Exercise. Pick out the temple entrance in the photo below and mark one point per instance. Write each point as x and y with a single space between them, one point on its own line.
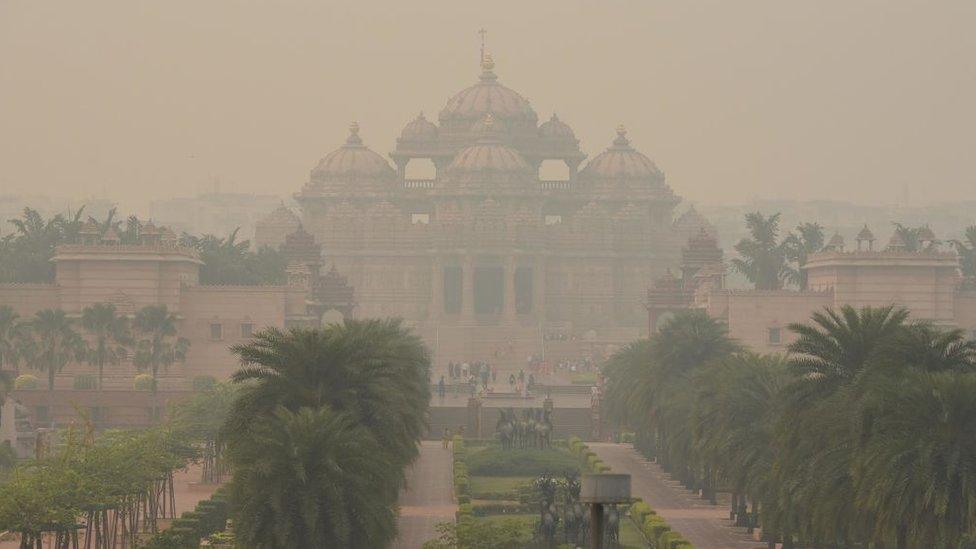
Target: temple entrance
523 290
489 290
452 290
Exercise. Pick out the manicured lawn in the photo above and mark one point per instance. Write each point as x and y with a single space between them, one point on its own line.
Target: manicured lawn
496 461
497 485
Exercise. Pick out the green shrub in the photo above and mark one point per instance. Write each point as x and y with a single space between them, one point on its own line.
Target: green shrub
204 383
495 461
639 510
143 382
664 541
602 468
84 382
654 527
461 485
26 382
487 509
465 509
463 498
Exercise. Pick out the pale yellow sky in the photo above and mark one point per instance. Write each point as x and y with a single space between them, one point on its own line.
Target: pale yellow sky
845 99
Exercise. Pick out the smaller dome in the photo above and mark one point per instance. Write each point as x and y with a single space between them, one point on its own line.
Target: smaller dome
283 216
865 234
352 161
836 242
419 129
897 243
556 129
488 155
621 161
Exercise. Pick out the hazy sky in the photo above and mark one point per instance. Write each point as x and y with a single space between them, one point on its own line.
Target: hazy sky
846 99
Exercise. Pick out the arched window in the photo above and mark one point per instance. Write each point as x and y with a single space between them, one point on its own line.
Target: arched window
553 170
420 169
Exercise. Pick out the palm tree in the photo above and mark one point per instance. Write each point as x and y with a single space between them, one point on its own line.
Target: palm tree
374 369
57 342
312 478
967 252
9 328
158 344
808 239
917 471
109 332
838 345
762 259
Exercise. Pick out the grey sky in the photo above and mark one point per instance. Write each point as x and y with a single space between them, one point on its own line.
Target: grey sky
854 100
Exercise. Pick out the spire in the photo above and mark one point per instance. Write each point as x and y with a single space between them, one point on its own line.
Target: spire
488 68
354 140
621 141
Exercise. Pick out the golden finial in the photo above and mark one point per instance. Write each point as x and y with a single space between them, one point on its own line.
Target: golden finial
621 131
354 128
489 121
488 64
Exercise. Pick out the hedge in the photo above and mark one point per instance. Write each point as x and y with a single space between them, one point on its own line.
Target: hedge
210 516
496 461
26 382
655 529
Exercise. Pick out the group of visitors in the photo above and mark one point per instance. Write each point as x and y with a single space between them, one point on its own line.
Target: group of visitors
517 383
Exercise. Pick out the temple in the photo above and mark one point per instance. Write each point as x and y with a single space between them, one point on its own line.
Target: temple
487 251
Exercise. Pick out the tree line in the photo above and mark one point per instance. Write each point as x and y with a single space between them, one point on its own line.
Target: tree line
26 252
50 340
770 262
864 433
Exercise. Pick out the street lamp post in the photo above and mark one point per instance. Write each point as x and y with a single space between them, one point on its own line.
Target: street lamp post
599 490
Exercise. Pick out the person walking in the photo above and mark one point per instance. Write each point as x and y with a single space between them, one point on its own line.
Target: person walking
440 387
447 438
511 382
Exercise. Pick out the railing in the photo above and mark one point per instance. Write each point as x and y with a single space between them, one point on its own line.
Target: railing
555 185
418 183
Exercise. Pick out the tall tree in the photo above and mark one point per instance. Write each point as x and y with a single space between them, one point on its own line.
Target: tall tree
375 369
109 333
807 240
229 261
312 478
57 342
9 328
967 252
917 471
762 260
158 344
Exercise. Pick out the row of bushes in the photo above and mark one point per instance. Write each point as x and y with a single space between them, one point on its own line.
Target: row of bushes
209 517
655 529
588 458
462 479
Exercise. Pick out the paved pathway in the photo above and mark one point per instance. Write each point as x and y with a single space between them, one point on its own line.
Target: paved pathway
706 526
427 499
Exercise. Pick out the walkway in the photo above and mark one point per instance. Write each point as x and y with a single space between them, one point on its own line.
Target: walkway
706 526
428 498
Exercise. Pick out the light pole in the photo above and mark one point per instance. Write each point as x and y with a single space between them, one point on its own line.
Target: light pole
599 490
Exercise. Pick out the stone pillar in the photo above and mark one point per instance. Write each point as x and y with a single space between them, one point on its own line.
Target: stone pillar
510 267
467 291
538 289
436 288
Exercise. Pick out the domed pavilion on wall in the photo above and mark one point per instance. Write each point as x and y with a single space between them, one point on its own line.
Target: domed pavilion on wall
485 256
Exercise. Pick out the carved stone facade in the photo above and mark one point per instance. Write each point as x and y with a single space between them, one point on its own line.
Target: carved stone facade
485 241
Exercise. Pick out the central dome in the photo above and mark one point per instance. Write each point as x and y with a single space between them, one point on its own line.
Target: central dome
488 96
